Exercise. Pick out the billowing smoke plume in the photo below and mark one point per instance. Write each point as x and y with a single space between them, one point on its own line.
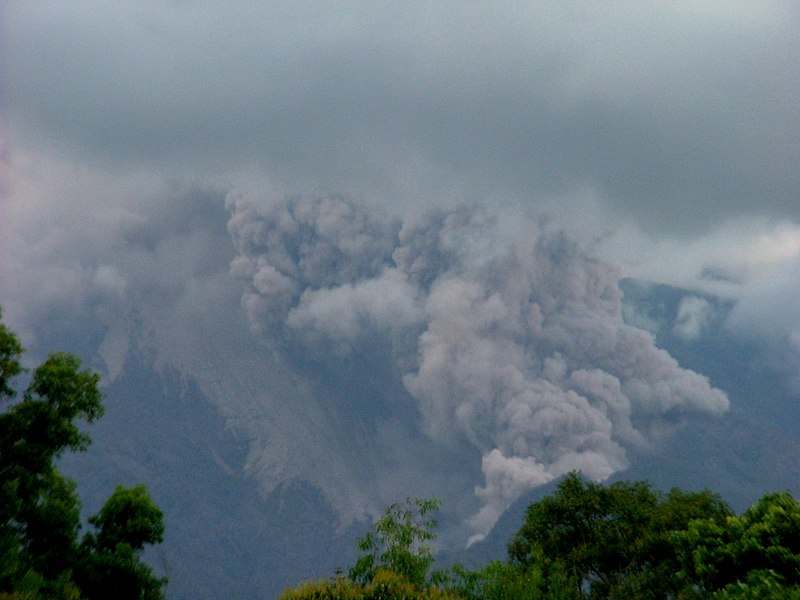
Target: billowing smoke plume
509 336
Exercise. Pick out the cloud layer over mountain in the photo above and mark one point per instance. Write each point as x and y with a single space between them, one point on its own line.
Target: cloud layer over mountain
673 115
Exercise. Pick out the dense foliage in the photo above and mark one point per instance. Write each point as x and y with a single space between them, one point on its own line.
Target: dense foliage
384 585
754 555
398 543
587 540
41 552
612 542
394 563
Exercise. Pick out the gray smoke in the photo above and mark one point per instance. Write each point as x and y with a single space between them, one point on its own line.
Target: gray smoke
289 250
509 336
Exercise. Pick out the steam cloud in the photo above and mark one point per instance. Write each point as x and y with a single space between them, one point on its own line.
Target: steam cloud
509 336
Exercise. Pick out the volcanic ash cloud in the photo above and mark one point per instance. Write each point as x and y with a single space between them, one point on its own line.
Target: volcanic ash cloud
508 336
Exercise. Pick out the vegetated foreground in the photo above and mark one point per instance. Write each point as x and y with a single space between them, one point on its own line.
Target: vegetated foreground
587 540
41 553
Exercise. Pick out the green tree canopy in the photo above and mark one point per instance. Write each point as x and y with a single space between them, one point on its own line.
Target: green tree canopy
398 542
611 541
41 554
757 550
394 562
385 585
587 540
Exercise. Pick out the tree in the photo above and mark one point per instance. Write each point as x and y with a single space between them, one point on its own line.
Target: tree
541 580
623 541
758 585
10 354
759 550
611 542
658 559
385 585
128 521
394 563
398 542
40 551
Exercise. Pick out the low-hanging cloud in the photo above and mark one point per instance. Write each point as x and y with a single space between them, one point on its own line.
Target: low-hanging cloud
694 316
768 314
510 338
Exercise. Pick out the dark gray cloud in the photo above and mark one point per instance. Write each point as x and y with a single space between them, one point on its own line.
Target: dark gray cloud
677 115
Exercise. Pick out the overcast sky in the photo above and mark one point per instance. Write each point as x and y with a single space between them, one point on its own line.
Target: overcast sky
677 116
668 133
